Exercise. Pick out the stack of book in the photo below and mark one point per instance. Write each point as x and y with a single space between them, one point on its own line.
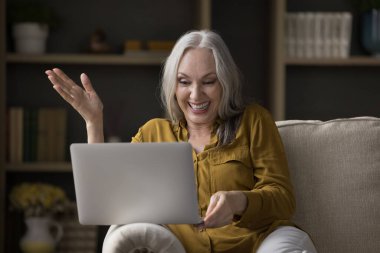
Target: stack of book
318 34
76 237
36 134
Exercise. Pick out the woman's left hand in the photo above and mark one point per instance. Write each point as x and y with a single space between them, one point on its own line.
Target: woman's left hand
223 206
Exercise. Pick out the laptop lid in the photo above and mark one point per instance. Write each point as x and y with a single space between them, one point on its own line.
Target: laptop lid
122 183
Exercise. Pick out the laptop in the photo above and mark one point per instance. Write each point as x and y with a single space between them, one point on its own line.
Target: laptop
122 183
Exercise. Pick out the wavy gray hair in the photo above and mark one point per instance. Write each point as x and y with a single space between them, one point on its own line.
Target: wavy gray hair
231 104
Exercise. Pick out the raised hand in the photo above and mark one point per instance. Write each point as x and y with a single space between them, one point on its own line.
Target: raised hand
84 100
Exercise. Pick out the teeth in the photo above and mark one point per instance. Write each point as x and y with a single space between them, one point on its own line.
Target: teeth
200 106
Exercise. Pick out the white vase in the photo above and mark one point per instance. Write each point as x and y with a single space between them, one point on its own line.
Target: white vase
30 38
38 237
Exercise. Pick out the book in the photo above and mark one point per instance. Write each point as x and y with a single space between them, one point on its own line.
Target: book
54 129
300 35
76 237
16 132
36 134
326 35
309 35
335 34
318 45
318 34
60 134
290 35
345 35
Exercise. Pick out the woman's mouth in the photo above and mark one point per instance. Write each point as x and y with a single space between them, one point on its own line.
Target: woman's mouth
199 107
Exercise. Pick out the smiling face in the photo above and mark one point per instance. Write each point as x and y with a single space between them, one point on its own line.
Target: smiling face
198 89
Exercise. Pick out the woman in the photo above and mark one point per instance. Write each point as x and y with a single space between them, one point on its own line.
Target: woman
244 191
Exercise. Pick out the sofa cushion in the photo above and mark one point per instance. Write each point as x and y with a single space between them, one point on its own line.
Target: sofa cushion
335 169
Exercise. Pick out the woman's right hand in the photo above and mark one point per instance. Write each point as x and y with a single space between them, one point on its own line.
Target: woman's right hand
84 100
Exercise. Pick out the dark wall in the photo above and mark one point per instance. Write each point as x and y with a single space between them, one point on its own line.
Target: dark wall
244 25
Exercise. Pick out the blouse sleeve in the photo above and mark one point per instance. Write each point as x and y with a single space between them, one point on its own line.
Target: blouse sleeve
272 197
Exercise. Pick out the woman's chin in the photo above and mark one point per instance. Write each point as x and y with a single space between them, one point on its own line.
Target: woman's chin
200 119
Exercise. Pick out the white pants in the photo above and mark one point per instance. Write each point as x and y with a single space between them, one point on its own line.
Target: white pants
287 239
145 237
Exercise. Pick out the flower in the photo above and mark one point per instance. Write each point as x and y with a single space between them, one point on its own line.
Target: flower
38 199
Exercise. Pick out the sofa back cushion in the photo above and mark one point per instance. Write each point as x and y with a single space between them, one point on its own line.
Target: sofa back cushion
335 169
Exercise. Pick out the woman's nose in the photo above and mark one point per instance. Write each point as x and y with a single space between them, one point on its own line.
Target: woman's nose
196 91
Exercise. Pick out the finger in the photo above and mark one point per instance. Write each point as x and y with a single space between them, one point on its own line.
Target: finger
213 202
62 75
65 79
56 80
50 74
220 215
214 212
86 82
212 217
64 94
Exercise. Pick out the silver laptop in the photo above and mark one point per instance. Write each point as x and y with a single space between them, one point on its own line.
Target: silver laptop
122 183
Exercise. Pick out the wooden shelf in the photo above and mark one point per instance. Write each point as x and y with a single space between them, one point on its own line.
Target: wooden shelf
143 58
352 61
39 167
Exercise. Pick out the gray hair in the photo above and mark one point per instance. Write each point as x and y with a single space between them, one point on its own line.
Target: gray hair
231 104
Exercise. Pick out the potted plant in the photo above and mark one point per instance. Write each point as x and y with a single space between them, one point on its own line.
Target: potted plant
39 202
30 22
369 11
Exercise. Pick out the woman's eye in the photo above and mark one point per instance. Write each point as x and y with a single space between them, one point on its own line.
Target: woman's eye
183 82
208 82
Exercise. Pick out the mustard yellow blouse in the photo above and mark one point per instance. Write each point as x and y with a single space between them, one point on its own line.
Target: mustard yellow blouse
254 163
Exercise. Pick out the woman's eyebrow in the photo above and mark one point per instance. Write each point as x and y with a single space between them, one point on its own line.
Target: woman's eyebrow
183 74
208 74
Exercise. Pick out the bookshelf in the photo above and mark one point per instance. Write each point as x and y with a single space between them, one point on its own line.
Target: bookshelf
280 64
39 167
13 64
88 59
352 61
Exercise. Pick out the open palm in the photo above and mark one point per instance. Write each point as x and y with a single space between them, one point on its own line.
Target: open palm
84 100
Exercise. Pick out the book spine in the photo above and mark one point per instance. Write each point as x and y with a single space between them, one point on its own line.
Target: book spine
26 135
300 35
61 126
16 133
335 31
345 36
77 238
290 38
318 35
42 135
309 35
33 130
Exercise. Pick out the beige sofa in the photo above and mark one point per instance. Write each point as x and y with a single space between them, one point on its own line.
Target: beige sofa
335 169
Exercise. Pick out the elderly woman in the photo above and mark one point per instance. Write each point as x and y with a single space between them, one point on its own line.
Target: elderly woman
244 191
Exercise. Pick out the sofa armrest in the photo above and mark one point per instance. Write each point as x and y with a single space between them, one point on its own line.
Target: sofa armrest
141 237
